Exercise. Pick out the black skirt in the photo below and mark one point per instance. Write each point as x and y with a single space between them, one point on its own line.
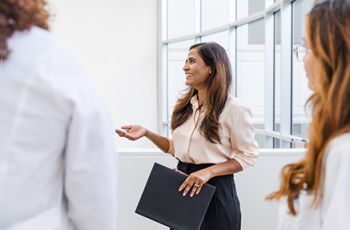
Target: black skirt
224 211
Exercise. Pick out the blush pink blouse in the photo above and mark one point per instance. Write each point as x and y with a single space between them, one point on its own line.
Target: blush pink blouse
237 137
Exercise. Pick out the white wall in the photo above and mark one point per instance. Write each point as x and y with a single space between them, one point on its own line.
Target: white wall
117 41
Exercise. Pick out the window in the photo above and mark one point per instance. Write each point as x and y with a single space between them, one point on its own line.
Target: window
180 26
266 75
250 73
222 38
249 7
277 75
214 13
301 92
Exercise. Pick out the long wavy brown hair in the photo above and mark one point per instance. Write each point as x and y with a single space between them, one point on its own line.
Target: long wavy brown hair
328 30
20 15
218 85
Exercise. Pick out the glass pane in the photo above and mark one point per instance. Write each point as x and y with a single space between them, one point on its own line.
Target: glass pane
184 24
277 76
300 10
164 22
215 13
301 92
177 54
250 69
249 7
221 38
256 32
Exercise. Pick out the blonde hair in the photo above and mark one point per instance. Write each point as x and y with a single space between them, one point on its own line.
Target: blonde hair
328 30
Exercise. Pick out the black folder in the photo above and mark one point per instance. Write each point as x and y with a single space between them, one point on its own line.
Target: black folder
162 202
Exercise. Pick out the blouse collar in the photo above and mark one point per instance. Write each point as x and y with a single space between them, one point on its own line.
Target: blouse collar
194 102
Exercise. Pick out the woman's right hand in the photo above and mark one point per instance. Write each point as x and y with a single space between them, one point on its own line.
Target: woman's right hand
132 132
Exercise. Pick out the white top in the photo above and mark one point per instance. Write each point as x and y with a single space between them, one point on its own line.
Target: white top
333 213
56 141
237 137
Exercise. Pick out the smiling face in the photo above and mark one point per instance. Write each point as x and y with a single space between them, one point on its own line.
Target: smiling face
197 72
309 59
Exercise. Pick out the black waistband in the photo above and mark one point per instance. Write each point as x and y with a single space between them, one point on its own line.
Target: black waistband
189 167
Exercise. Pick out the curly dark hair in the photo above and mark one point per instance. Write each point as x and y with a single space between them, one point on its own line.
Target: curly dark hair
20 15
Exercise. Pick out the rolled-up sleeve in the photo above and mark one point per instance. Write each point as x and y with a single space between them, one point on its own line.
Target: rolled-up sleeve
244 147
171 149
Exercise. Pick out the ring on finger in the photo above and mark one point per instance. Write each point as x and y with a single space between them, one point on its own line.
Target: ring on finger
196 185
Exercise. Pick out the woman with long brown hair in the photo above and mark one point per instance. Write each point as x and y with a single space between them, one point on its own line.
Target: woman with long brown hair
56 140
212 134
317 188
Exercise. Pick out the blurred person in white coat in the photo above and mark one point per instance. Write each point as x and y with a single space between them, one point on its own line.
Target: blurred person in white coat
57 168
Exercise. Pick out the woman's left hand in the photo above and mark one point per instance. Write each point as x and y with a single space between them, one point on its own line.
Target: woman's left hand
195 181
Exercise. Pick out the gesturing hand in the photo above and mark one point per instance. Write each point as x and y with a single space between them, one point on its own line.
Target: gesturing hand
195 181
132 132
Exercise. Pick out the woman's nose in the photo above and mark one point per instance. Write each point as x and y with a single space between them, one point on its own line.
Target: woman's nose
185 67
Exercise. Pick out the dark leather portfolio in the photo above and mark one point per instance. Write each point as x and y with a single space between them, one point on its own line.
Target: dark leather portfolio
162 202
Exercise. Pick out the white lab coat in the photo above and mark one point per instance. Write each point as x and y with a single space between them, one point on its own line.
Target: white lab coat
57 166
333 213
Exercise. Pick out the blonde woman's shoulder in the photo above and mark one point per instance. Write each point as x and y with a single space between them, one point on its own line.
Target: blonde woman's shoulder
341 141
338 149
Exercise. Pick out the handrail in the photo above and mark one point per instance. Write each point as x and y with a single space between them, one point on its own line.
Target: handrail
281 136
